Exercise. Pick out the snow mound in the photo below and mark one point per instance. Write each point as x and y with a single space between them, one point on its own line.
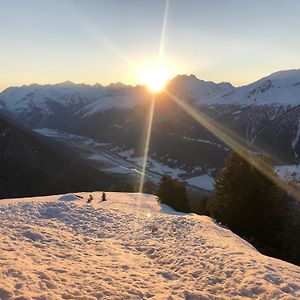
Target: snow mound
129 247
34 236
68 197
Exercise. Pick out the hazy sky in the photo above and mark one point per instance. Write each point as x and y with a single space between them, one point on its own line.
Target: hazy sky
107 41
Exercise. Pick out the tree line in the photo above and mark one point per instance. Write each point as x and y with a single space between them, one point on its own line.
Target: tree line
248 203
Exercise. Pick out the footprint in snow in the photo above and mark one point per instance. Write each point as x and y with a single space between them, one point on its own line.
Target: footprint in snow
168 275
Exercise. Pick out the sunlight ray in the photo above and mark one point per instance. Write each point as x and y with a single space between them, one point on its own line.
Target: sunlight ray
234 142
163 33
147 143
150 119
145 160
101 37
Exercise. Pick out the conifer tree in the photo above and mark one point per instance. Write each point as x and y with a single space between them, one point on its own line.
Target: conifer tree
173 193
90 199
104 197
248 202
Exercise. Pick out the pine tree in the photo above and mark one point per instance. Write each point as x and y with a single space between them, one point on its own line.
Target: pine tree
173 193
248 202
90 199
202 206
181 202
165 190
104 197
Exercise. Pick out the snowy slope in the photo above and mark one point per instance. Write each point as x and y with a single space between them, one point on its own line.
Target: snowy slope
47 105
199 90
129 247
288 172
281 88
121 97
204 181
24 98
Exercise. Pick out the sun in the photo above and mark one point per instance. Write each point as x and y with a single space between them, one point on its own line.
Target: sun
155 78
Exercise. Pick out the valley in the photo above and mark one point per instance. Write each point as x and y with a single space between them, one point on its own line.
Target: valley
110 158
107 124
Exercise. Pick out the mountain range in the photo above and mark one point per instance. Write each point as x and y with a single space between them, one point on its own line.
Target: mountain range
265 115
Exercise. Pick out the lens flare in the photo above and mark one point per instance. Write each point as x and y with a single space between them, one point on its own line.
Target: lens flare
147 144
235 142
155 85
155 78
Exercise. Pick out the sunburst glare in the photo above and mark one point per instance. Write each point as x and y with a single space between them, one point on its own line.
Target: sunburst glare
147 143
234 142
155 78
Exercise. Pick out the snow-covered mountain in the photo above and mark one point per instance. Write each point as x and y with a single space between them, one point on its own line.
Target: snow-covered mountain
190 87
20 99
115 96
264 114
129 247
280 89
39 105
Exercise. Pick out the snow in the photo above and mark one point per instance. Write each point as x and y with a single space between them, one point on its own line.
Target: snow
285 171
127 153
122 170
19 99
68 197
161 168
296 140
86 99
129 247
57 133
200 90
153 165
204 181
127 100
281 88
206 142
99 157
113 158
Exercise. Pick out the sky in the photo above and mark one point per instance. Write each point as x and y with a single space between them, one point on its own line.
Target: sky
114 41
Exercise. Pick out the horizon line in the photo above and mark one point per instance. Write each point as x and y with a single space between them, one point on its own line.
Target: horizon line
70 82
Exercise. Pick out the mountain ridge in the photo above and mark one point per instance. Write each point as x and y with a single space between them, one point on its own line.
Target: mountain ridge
98 84
203 92
264 114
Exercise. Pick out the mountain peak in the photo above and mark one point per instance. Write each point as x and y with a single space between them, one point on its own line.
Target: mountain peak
98 85
117 85
285 75
66 83
185 77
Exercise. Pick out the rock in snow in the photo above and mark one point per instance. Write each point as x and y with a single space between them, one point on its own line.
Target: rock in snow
129 247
